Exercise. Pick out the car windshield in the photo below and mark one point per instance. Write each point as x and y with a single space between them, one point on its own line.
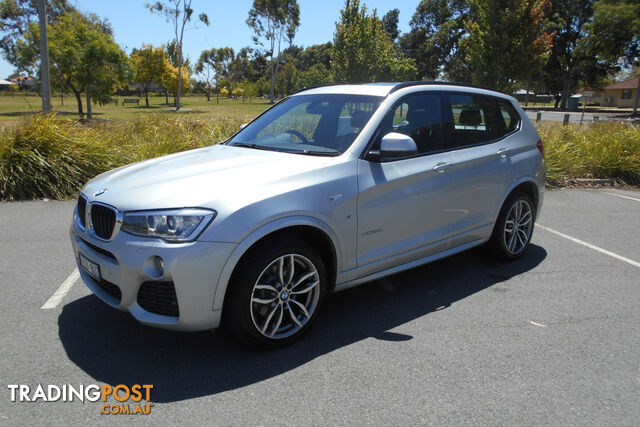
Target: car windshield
325 124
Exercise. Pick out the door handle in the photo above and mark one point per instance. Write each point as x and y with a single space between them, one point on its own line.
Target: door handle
503 151
442 166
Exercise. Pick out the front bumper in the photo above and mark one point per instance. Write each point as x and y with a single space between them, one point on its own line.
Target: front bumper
193 267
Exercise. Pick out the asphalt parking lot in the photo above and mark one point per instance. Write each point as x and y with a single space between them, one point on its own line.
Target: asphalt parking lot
550 339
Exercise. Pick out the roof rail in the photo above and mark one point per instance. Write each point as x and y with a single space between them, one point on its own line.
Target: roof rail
427 83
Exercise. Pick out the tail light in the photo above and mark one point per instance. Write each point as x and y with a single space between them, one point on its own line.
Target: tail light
540 146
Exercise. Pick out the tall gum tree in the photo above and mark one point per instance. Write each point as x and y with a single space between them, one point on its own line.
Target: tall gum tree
274 21
178 13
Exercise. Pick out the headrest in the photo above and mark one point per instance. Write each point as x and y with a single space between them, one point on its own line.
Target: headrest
470 117
427 116
360 118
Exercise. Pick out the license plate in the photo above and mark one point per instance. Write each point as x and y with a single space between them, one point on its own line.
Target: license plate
90 267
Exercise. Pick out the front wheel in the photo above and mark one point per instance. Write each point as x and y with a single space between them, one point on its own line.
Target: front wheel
276 293
514 227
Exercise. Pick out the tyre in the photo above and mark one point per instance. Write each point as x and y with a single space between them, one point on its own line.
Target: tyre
513 229
275 293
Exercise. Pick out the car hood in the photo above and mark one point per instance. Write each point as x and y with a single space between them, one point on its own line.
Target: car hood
206 177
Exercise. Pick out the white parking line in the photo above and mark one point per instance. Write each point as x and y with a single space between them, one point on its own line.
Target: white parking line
590 246
64 288
620 195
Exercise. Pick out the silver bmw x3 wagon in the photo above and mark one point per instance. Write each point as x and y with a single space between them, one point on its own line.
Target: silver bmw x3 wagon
330 188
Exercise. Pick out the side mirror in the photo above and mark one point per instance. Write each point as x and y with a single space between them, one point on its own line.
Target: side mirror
394 145
242 126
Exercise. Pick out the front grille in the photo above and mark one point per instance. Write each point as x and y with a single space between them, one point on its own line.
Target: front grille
159 298
100 250
110 288
103 220
82 210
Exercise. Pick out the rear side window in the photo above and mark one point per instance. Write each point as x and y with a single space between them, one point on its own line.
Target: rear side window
509 115
477 119
473 119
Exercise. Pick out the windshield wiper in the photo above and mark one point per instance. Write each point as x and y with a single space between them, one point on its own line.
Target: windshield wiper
254 146
316 153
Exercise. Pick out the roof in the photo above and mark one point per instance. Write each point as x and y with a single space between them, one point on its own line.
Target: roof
5 82
364 89
384 89
20 78
631 83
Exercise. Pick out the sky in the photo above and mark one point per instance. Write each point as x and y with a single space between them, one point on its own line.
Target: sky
134 25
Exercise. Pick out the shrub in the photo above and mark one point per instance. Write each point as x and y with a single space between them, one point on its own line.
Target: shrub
48 157
598 150
52 157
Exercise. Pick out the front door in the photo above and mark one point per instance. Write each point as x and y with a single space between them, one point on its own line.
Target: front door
403 204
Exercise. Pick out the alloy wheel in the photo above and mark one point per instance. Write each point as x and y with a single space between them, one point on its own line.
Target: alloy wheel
518 227
285 296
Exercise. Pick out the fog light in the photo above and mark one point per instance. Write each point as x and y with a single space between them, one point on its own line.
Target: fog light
154 267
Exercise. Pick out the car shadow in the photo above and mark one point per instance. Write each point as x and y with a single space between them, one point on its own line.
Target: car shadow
113 348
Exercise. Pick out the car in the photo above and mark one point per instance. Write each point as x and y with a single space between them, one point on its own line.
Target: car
329 188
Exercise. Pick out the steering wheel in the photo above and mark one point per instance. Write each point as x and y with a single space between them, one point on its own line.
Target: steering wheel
298 134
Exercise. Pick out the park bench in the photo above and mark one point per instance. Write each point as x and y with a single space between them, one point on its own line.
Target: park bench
111 101
131 101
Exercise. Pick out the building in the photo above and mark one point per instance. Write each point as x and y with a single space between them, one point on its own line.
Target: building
620 94
5 84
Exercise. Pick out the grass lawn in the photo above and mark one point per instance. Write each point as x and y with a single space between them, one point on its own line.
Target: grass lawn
13 109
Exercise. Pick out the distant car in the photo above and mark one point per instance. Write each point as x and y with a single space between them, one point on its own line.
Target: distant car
329 188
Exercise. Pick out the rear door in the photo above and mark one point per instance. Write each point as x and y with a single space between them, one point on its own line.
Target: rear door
477 135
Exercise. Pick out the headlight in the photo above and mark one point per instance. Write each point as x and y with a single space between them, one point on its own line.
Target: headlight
176 225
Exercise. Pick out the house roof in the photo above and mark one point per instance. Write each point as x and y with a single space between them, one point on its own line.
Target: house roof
631 83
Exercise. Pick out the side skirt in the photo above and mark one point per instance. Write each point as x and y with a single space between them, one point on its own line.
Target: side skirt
407 266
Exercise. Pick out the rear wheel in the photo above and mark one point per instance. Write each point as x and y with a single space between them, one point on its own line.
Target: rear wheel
276 293
512 233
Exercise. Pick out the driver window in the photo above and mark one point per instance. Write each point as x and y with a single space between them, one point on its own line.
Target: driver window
419 116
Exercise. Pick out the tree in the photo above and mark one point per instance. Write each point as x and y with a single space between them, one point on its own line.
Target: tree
615 34
363 51
287 82
215 63
506 41
178 13
249 89
242 67
570 62
83 57
237 91
149 65
314 55
274 20
262 85
175 79
317 75
390 21
437 27
15 19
